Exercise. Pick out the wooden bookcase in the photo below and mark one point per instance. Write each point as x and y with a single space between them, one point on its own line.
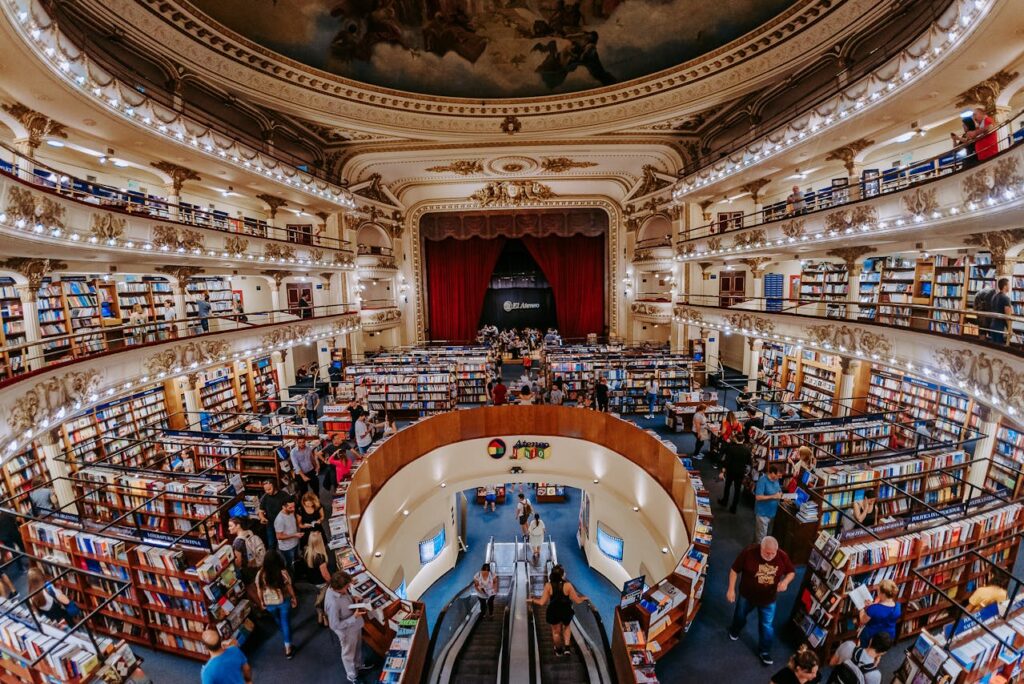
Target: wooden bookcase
18 472
895 292
826 282
221 298
956 414
868 284
12 330
420 390
471 377
1007 460
151 293
115 428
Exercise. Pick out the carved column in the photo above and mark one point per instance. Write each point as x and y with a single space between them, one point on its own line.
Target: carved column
277 278
757 266
54 468
35 271
178 174
37 128
274 203
847 379
754 188
847 154
285 365
751 361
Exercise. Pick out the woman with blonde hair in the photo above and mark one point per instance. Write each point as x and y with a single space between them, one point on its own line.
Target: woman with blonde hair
883 614
49 601
800 459
310 516
314 567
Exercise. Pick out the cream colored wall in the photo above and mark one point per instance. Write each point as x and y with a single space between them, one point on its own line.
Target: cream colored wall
464 465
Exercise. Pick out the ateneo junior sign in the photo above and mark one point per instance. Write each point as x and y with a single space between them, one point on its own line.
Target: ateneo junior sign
521 450
519 306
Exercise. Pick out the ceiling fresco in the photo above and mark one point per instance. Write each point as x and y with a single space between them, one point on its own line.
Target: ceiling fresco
491 48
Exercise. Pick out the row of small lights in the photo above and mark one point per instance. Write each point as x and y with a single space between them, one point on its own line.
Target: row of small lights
1008 195
892 362
53 421
46 39
58 233
970 14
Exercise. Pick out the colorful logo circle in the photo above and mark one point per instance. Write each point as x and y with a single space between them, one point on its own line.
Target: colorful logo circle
496 448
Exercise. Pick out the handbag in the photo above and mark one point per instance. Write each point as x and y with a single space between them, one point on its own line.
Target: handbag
270 595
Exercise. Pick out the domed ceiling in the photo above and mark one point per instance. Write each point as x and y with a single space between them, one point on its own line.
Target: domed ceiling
491 48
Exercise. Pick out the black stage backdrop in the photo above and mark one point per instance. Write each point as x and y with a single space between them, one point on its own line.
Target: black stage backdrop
519 307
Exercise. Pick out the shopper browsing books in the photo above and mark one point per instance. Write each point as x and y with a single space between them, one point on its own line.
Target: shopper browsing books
270 505
345 618
286 528
310 516
736 460
767 494
306 466
853 664
249 555
227 663
364 433
882 615
277 596
763 571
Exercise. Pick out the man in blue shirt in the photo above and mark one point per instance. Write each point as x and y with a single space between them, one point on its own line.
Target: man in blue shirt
203 309
227 665
306 467
766 495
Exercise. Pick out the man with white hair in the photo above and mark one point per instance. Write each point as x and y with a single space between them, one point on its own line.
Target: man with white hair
763 571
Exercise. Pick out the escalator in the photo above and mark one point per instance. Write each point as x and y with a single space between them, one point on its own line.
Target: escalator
555 669
481 651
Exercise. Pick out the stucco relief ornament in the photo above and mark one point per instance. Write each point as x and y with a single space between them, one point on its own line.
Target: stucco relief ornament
746 321
236 245
685 249
860 215
714 244
106 226
199 352
24 205
511 125
316 255
274 251
191 240
648 309
512 193
793 229
991 182
688 315
385 316
921 202
750 237
844 337
50 395
165 236
988 374
284 334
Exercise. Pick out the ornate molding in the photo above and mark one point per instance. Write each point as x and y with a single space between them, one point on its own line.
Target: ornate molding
704 206
106 226
236 245
853 217
846 338
52 395
510 125
986 93
654 311
512 193
34 270
992 181
688 315
273 202
326 277
756 265
180 356
921 202
754 187
750 238
25 205
278 276
178 174
848 153
181 274
850 255
563 164
461 167
705 269
794 228
714 244
997 243
173 237
37 125
747 321
990 374
284 334
272 250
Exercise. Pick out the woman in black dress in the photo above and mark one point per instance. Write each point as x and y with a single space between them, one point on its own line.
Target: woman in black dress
311 517
559 595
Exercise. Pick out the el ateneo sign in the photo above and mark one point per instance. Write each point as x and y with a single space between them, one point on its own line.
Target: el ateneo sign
521 450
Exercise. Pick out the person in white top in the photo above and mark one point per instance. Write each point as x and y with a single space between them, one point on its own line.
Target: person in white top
485 583
364 434
700 430
490 497
362 391
537 532
653 390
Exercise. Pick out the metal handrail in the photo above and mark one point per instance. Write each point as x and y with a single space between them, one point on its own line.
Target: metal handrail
133 203
930 168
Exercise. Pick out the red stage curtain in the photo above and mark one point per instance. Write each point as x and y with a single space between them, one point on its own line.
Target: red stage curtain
574 266
458 274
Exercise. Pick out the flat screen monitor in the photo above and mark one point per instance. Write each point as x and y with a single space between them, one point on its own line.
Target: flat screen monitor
432 546
609 544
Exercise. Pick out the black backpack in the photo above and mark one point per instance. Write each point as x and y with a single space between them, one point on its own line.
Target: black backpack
851 671
983 299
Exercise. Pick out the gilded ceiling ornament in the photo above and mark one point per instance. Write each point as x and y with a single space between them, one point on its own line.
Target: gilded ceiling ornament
714 244
272 250
462 167
850 255
37 125
793 228
650 182
178 174
675 211
704 206
25 205
755 187
991 181
756 265
859 215
316 254
563 164
284 334
848 153
352 221
191 239
278 276
181 274
236 244
512 193
34 270
106 226
750 237
374 191
51 395
988 373
750 322
273 202
511 125
847 338
688 315
705 269
984 94
200 352
997 243
921 201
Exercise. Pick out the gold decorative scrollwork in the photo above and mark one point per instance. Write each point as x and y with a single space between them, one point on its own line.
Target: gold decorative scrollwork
991 182
845 337
284 334
316 255
921 201
165 236
50 395
106 226
25 205
275 251
793 228
989 374
191 240
236 245
714 244
746 321
688 315
200 352
859 215
749 238
512 193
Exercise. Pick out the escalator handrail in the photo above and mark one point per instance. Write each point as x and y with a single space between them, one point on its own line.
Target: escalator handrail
595 656
534 648
446 660
518 610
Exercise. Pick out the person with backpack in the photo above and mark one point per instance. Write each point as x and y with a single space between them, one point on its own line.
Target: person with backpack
249 554
737 459
801 669
277 596
523 512
762 571
982 303
1000 303
853 664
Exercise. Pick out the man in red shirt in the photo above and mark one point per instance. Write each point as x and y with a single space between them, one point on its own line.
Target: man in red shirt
499 394
763 571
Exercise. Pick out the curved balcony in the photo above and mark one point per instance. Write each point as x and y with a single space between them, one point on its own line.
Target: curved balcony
39 400
379 314
961 355
952 194
652 311
653 256
62 211
376 262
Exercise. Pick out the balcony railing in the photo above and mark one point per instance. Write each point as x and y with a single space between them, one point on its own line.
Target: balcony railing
135 203
898 177
23 360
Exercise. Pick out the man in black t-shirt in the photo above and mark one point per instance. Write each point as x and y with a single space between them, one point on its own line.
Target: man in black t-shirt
736 457
601 394
1000 304
753 421
270 505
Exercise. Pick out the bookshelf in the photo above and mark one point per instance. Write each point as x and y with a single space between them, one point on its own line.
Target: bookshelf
956 414
12 330
1006 460
828 283
222 400
868 283
981 274
221 298
422 390
852 437
813 378
53 322
122 427
949 294
18 473
895 291
826 615
1017 298
151 293
263 385
471 378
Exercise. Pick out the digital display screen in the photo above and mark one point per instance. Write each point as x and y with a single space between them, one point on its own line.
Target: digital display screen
608 543
431 547
238 511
